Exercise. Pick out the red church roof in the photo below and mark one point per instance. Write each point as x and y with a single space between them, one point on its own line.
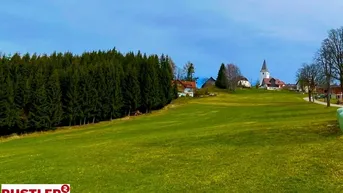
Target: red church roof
277 81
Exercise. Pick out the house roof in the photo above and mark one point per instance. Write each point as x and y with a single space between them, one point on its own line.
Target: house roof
277 81
331 86
186 84
209 81
211 78
242 78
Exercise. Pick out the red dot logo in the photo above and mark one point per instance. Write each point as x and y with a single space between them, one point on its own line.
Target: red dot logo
65 188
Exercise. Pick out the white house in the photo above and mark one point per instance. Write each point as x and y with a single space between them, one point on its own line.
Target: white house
244 82
268 82
185 88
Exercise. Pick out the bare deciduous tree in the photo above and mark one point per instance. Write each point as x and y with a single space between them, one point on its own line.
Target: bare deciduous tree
180 75
328 64
300 83
173 67
334 42
233 73
310 76
325 61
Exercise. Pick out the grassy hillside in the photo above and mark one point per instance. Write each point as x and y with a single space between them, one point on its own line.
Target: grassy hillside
251 141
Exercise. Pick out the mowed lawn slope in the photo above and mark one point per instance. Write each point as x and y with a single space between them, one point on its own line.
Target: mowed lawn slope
252 141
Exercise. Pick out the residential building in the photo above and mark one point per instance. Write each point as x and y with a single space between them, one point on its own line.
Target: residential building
209 82
185 88
243 82
335 89
292 87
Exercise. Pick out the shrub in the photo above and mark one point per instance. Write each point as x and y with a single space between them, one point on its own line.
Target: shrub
200 92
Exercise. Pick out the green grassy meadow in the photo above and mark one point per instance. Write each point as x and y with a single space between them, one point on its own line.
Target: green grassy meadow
251 141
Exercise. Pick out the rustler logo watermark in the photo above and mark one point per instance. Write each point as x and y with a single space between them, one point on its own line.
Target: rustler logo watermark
35 188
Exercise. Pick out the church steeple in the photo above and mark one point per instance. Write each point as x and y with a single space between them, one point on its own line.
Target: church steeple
264 73
264 67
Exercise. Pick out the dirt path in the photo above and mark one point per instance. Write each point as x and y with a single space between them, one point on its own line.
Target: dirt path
323 103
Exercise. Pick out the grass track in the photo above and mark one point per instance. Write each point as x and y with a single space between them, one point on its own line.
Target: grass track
251 141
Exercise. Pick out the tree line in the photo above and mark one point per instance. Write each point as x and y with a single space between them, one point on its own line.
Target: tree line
42 92
228 77
326 67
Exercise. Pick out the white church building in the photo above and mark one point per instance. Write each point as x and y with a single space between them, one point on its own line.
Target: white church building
268 82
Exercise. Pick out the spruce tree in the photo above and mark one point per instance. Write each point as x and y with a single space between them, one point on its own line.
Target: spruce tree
222 81
115 89
23 100
169 78
175 90
147 85
83 94
104 89
38 116
23 91
54 110
189 70
93 96
101 106
3 100
9 114
156 94
72 97
166 77
131 90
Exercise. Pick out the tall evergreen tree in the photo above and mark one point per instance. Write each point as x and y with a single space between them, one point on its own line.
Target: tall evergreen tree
72 98
222 81
38 116
9 114
115 92
175 91
83 81
23 100
156 94
104 89
93 96
3 100
166 77
131 90
23 91
54 109
148 84
189 70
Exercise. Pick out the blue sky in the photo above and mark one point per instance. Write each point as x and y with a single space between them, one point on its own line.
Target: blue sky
286 33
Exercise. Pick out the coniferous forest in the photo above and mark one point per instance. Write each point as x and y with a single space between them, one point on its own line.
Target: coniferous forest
42 92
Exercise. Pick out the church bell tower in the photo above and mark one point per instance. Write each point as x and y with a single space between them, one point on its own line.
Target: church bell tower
264 73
